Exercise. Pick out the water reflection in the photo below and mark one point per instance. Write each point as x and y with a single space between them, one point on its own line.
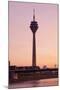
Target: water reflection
35 83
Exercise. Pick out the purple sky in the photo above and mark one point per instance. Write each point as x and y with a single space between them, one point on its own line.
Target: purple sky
20 35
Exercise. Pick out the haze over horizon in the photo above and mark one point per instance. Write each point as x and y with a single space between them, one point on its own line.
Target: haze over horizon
20 35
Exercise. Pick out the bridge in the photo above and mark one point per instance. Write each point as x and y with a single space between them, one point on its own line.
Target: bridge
31 73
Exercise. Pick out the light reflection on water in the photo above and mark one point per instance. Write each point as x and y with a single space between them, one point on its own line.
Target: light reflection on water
36 83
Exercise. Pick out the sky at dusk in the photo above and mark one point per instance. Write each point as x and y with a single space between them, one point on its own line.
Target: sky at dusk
21 37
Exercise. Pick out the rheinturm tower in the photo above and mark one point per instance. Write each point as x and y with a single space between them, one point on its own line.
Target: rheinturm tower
34 27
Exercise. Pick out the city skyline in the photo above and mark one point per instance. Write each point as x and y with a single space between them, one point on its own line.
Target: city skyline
20 36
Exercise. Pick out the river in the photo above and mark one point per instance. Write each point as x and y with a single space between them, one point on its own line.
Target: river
35 83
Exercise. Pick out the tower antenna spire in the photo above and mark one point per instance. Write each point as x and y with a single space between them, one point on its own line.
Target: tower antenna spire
33 14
